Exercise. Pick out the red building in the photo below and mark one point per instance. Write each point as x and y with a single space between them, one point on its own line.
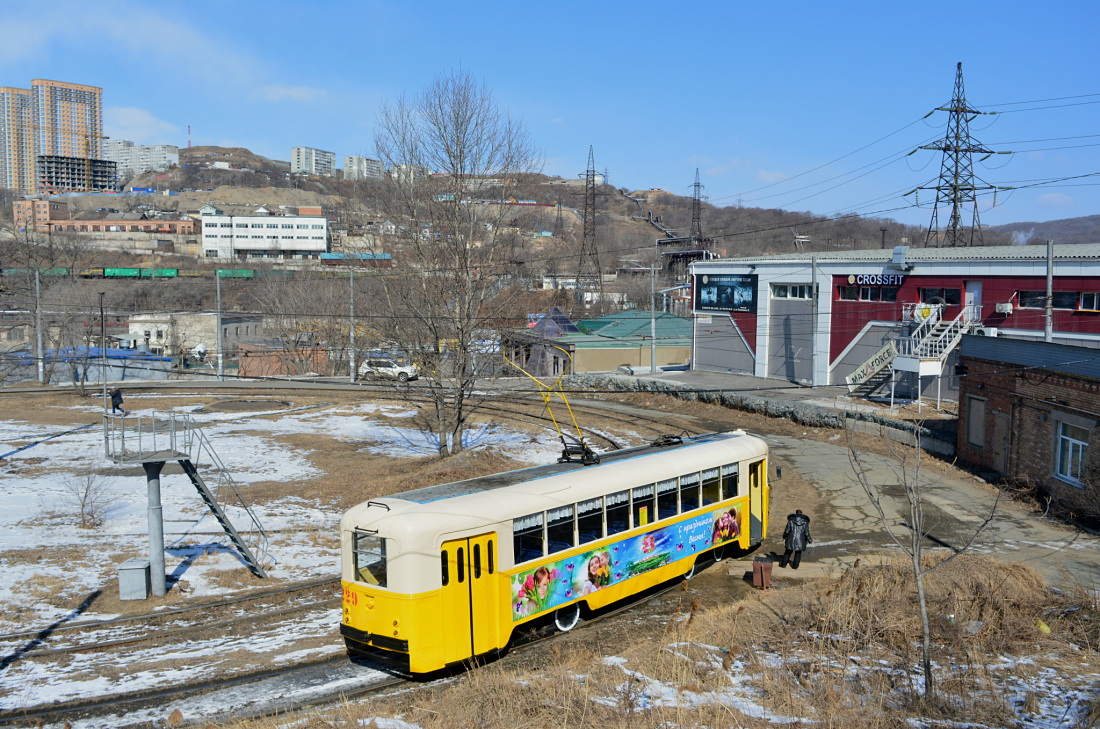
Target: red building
879 319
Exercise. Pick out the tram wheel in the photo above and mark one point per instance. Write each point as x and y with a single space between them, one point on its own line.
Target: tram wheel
691 571
719 553
566 618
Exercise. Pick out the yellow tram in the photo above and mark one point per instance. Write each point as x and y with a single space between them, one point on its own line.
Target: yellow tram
440 574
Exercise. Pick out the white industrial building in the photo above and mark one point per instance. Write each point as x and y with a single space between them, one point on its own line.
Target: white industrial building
262 235
310 161
133 160
363 168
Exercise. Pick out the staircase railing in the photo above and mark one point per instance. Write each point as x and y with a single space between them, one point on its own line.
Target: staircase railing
226 494
939 339
175 437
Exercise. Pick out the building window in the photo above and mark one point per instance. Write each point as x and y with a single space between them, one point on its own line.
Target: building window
1073 453
1038 300
1090 301
790 291
951 297
847 293
975 421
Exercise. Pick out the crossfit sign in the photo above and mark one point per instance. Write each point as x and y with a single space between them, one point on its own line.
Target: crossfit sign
875 279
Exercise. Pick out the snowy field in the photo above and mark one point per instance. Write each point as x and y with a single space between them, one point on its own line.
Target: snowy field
43 553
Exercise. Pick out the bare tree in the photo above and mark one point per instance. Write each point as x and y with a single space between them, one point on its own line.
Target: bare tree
90 497
909 535
455 159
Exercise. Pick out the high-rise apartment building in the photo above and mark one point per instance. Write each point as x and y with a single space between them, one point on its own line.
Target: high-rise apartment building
362 168
133 160
53 118
310 161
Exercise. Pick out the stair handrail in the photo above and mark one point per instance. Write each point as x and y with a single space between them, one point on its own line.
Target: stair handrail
940 340
227 487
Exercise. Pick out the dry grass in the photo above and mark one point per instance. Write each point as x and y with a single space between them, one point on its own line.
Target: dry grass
838 654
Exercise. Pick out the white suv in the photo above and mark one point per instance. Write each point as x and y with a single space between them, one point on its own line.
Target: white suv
387 369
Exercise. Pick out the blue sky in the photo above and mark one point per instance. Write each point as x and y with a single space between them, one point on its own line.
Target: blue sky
751 94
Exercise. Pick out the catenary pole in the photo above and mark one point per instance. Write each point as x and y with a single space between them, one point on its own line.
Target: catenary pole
221 348
103 349
38 327
1048 327
351 349
653 310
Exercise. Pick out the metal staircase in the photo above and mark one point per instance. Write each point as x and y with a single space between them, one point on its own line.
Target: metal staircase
149 439
925 350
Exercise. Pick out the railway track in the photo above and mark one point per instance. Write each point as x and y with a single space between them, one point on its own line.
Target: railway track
172 626
114 710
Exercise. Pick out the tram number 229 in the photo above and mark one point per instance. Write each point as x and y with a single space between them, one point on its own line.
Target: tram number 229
351 597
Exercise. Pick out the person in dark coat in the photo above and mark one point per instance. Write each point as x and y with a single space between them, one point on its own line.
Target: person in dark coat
795 538
116 401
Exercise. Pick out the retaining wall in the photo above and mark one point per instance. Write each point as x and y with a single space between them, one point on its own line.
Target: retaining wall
811 415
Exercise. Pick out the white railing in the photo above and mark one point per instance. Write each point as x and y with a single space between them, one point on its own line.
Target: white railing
130 438
936 341
134 437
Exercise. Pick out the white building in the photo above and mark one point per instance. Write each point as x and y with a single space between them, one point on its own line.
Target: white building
362 168
310 161
133 160
263 235
177 333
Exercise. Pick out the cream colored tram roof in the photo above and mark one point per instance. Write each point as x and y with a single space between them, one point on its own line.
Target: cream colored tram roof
500 497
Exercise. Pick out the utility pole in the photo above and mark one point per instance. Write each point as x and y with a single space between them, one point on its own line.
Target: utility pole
653 310
351 349
38 327
956 187
882 245
1048 328
813 321
103 349
221 347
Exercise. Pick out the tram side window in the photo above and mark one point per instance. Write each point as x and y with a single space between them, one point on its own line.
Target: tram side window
489 556
667 500
689 492
446 573
477 561
559 529
618 512
729 481
590 520
712 487
643 505
527 537
369 556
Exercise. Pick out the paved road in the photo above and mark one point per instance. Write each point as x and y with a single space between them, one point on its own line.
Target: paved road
846 525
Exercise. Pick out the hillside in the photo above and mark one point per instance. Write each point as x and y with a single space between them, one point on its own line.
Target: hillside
1069 230
623 231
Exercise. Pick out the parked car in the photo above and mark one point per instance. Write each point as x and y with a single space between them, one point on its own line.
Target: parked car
387 369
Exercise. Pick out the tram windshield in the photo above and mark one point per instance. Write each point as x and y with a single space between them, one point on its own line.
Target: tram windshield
369 555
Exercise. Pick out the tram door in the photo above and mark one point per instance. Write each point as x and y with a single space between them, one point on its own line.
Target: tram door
757 507
470 607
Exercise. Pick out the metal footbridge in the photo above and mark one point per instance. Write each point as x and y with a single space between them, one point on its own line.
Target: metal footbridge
152 441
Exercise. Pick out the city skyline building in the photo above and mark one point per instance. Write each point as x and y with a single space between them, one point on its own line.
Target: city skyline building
362 168
311 161
51 118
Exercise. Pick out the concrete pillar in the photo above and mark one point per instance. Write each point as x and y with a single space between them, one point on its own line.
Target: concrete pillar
156 529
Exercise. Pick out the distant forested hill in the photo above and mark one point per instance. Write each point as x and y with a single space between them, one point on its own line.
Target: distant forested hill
1069 230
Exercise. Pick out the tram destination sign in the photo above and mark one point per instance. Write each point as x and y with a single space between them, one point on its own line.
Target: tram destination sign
725 292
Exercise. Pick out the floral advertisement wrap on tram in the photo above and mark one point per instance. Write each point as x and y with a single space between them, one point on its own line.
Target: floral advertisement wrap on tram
556 583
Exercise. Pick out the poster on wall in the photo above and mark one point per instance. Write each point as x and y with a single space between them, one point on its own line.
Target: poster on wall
725 292
556 583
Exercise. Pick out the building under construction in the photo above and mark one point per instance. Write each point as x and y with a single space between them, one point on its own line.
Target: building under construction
49 118
55 173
